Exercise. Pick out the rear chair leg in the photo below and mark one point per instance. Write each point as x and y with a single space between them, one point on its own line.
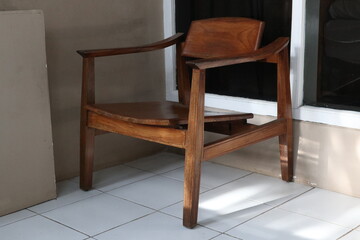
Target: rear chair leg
87 137
286 153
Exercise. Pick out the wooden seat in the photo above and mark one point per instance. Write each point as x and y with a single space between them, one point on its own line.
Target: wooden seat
164 113
210 43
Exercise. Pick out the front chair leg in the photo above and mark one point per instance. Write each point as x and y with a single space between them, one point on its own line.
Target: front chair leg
192 174
286 153
194 149
87 139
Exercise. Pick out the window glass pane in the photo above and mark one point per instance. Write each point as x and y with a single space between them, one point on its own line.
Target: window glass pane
333 28
251 80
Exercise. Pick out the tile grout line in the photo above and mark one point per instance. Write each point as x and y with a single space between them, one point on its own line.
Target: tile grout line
40 213
250 173
88 236
182 181
203 193
139 204
20 219
123 224
345 234
236 238
352 230
268 210
316 218
104 191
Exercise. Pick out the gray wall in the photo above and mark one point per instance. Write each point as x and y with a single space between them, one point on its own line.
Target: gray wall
72 25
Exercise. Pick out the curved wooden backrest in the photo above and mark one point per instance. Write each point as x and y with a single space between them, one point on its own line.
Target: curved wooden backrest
219 37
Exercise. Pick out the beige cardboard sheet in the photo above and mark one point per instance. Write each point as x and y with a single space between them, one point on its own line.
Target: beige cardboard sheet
26 150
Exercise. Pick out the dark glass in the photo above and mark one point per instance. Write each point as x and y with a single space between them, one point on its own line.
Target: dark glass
338 72
341 55
251 80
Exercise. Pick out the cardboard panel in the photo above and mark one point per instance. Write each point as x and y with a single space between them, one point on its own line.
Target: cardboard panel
27 175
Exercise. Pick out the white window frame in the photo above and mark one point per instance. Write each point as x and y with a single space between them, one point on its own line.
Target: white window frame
342 118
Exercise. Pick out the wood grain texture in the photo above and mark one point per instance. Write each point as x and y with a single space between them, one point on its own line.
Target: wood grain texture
243 139
183 78
87 134
285 111
126 50
167 136
163 113
264 53
194 149
219 37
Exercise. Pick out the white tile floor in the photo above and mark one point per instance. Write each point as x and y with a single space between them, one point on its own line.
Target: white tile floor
143 200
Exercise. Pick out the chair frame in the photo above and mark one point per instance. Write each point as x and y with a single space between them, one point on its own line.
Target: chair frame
191 139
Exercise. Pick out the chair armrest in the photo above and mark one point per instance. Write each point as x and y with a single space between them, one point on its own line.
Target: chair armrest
263 53
145 48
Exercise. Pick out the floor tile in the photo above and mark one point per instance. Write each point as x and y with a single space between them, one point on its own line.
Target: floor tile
327 206
159 163
279 224
268 190
97 214
114 177
14 217
212 174
236 202
157 226
38 228
354 235
223 208
68 192
224 237
155 192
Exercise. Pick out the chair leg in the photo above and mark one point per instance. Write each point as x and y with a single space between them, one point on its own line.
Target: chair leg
192 174
194 149
87 139
286 153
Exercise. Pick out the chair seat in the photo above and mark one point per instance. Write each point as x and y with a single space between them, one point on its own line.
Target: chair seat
159 113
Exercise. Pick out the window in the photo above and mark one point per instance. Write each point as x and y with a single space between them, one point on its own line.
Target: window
249 80
342 118
333 74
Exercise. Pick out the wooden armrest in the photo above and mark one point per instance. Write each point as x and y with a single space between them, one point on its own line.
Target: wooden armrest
273 48
145 48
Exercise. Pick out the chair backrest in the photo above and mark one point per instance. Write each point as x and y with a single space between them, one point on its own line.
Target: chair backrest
219 37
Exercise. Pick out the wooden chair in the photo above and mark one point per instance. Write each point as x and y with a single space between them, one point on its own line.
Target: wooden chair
212 43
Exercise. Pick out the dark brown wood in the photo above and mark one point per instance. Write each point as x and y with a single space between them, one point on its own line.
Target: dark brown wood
219 37
145 48
284 112
164 113
87 134
183 81
227 128
263 53
194 149
243 139
168 136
